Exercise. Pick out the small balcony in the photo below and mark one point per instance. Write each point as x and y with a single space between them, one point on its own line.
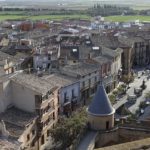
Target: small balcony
49 111
66 100
49 124
74 99
46 102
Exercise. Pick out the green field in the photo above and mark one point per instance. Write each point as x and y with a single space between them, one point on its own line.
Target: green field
40 17
127 18
58 17
21 15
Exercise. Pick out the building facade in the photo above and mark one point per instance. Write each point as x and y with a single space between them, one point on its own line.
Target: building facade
28 95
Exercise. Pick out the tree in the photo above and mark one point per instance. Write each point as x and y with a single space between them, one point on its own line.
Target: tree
147 95
68 129
112 98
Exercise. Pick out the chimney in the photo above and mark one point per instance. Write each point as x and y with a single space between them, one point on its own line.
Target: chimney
89 56
29 68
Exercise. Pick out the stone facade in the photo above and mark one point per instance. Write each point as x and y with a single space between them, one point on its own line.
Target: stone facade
101 122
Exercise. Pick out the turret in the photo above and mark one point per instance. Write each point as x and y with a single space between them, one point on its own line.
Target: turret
100 111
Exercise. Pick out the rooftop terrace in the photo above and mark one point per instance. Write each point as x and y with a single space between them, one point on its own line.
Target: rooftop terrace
16 120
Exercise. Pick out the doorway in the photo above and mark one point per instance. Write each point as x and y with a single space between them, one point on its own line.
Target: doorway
107 125
42 140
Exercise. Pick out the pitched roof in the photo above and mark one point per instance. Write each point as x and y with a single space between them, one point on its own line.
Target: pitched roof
101 105
34 83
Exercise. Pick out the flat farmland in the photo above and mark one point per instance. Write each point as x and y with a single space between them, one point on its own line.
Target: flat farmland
41 17
127 18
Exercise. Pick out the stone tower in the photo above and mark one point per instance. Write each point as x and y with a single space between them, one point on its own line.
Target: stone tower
100 111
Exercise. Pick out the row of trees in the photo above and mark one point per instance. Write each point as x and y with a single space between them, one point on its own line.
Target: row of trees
145 12
43 11
107 10
96 10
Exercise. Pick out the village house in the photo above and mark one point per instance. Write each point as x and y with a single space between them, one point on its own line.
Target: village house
34 104
87 74
69 92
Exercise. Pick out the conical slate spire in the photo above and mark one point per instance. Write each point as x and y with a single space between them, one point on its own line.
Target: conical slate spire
101 106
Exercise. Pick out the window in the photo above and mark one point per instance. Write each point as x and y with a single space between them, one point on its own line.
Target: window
38 99
107 125
72 92
33 132
53 116
48 133
89 81
42 140
65 97
32 144
95 79
28 137
83 84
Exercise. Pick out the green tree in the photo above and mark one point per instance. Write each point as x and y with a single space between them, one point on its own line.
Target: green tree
67 129
112 98
147 95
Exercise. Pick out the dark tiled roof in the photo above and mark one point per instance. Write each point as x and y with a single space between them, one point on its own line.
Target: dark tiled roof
16 120
101 105
81 69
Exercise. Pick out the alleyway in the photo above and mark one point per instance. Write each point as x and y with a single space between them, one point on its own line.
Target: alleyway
87 143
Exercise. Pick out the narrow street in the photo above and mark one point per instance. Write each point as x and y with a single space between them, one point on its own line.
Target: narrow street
136 84
87 143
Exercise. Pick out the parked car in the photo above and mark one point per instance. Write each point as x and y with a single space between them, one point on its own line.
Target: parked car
138 91
132 98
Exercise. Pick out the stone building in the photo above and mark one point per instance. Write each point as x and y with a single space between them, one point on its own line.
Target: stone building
29 109
69 91
88 76
100 111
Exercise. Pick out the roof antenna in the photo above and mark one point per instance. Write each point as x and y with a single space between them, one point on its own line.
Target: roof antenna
101 75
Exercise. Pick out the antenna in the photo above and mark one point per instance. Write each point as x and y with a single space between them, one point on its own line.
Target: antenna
29 68
101 75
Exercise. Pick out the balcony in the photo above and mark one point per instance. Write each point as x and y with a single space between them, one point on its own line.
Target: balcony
49 111
49 124
74 99
46 102
66 100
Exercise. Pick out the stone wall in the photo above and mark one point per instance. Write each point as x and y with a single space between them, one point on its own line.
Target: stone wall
132 134
106 138
120 135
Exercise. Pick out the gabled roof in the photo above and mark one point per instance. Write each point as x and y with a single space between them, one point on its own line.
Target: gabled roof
101 105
